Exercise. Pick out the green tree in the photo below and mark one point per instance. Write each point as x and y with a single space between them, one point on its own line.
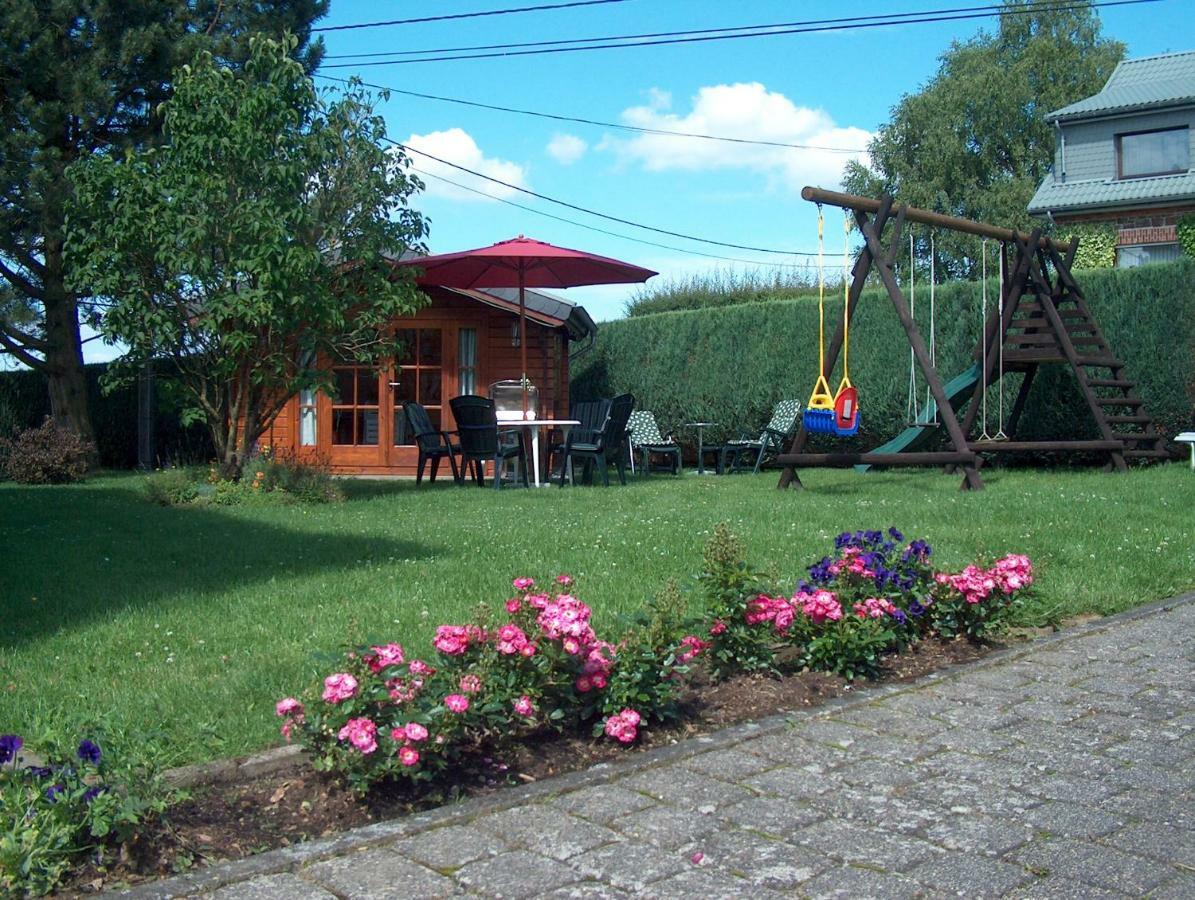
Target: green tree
250 247
974 141
82 77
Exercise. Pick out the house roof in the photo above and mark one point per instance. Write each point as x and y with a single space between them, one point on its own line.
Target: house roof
1074 196
1137 84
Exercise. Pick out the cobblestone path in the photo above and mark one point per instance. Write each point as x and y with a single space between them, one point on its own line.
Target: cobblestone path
1066 769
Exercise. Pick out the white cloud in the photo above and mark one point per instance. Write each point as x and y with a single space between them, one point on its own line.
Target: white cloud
456 146
566 149
749 111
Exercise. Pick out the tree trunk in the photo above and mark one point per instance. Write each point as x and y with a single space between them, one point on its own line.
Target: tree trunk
69 405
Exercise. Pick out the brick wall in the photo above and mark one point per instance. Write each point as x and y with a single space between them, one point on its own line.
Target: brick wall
1134 227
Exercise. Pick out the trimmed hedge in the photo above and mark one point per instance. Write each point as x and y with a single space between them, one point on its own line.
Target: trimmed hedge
25 403
730 365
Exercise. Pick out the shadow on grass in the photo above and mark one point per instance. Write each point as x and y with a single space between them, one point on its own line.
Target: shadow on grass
72 554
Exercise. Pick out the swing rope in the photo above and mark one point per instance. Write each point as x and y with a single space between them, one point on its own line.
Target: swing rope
821 398
933 337
1000 435
846 303
911 402
983 400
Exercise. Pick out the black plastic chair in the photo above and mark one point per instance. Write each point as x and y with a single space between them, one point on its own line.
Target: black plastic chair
609 446
591 416
433 444
477 426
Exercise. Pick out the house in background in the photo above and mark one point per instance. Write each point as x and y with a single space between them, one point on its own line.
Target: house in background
460 343
1123 156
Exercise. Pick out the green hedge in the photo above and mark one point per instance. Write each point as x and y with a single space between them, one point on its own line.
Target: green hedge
730 365
25 402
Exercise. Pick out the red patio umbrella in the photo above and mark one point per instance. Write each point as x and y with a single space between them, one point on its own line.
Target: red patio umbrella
522 262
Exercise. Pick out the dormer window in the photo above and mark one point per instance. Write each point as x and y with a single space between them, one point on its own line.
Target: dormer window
1145 153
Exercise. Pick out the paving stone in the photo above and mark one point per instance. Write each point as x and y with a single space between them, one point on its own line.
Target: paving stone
448 848
1072 820
1160 779
792 782
515 874
680 787
545 830
855 883
965 797
979 769
984 835
1055 887
861 845
967 875
1101 866
876 807
1076 788
889 721
602 803
700 882
1181 887
880 773
271 887
1172 846
378 875
970 740
1051 711
833 733
666 826
588 890
1164 809
762 862
777 816
790 748
628 865
728 765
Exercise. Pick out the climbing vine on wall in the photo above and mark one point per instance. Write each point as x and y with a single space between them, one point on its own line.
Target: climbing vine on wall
1097 246
1186 234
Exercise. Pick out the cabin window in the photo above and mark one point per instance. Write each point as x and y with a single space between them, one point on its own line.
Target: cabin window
1130 257
307 418
419 378
467 361
355 406
1147 153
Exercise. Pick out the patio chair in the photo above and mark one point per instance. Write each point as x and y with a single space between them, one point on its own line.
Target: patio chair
432 443
592 415
645 435
609 446
771 440
477 425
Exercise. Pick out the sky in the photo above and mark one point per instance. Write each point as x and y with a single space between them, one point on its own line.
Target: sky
821 90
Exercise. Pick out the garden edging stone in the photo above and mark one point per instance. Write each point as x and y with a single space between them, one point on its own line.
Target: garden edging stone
295 858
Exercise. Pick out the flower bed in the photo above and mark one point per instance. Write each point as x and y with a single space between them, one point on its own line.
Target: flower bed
539 663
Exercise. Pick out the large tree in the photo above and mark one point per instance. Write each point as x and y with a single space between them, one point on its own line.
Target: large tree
81 77
974 141
251 246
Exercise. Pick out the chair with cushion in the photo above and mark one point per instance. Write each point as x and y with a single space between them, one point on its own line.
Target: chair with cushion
771 440
645 436
432 443
609 446
477 425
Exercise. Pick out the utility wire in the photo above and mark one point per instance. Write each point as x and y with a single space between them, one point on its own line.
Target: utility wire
886 18
468 15
591 212
625 237
925 18
559 118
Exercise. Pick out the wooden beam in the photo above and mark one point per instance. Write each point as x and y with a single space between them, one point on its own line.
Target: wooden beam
844 460
1042 446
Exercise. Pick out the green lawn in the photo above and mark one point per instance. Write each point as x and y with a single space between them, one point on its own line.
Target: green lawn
190 623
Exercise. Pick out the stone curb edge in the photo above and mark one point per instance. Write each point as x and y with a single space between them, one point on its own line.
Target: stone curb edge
290 859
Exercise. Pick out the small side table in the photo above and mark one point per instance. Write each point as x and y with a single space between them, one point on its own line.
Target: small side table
1188 438
702 449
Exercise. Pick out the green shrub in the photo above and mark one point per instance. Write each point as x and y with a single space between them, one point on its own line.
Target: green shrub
1186 234
172 487
47 454
1097 246
731 365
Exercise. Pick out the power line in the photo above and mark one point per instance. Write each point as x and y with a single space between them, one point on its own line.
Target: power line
911 19
590 212
887 18
625 237
583 121
468 15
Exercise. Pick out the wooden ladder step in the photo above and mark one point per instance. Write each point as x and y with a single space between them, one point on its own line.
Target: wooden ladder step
1107 362
1127 420
1110 382
1120 401
1146 454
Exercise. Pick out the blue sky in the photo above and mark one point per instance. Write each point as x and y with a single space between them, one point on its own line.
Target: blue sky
827 89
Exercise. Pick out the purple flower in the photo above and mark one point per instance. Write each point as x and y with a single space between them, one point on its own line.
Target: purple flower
92 792
916 609
895 535
89 752
899 616
40 772
9 745
54 792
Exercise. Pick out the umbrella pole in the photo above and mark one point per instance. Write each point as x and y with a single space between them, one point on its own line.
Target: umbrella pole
523 336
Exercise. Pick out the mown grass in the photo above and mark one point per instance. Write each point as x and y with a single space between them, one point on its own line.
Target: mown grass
187 624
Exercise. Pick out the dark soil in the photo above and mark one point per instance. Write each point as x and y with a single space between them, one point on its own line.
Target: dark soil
230 821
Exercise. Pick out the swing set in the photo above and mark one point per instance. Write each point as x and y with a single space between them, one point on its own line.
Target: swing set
1039 318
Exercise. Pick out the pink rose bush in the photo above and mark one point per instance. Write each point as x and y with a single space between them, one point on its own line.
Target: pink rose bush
541 664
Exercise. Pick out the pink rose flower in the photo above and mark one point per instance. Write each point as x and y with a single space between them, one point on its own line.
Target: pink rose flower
399 733
419 667
583 685
379 658
513 605
511 640
523 584
408 756
452 640
289 707
416 732
339 687
361 733
529 650
523 706
458 703
564 580
717 628
693 645
470 684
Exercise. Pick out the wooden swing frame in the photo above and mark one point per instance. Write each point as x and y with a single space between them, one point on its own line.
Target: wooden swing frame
1037 283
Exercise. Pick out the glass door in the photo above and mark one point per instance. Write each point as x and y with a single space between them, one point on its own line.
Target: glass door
418 376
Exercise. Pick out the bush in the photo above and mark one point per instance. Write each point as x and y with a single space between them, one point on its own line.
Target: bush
47 454
172 487
731 365
72 804
306 479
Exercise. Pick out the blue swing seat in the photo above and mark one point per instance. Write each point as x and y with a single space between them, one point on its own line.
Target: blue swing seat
819 421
